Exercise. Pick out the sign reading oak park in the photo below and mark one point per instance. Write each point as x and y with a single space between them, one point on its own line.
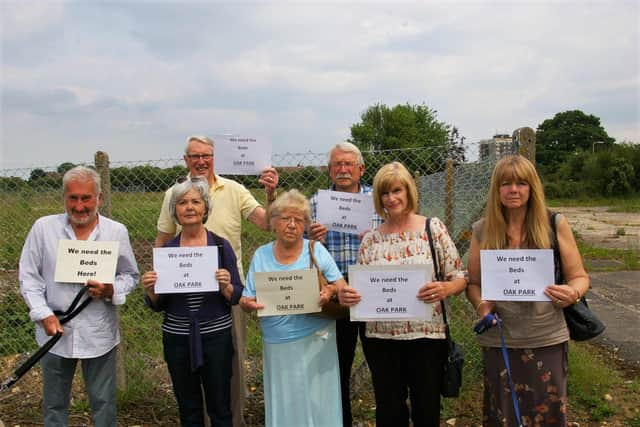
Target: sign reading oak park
242 155
516 274
390 292
186 269
80 260
287 292
344 212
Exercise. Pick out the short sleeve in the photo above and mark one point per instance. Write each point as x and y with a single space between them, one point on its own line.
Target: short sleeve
246 201
327 263
166 224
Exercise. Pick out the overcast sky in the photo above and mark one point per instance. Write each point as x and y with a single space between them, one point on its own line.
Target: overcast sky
135 78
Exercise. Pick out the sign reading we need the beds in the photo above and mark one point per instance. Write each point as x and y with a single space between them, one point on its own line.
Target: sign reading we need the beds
80 260
389 292
242 155
287 292
345 212
516 274
186 269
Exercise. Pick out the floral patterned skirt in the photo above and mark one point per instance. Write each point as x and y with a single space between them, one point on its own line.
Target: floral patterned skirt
540 379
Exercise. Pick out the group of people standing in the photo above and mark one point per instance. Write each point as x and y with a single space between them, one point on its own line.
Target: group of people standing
307 358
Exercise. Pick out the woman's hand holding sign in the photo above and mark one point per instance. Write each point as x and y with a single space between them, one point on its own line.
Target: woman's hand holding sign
250 304
224 283
433 292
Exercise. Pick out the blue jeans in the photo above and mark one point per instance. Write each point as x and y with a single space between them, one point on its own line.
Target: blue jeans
214 377
100 381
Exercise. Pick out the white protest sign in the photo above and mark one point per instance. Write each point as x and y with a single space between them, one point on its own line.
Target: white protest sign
80 260
389 292
287 292
344 212
239 155
516 274
186 269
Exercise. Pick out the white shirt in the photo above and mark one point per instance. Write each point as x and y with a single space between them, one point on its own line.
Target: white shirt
94 331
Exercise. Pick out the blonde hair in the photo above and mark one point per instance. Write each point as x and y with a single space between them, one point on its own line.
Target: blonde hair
385 178
292 200
536 231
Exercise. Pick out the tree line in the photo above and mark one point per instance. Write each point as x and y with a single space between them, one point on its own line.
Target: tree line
574 155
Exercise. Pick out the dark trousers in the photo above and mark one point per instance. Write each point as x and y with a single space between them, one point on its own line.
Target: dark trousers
347 338
214 377
401 367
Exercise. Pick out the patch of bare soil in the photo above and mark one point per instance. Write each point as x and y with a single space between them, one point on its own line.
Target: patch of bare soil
601 228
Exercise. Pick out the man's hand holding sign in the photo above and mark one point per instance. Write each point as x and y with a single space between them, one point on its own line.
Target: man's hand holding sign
92 263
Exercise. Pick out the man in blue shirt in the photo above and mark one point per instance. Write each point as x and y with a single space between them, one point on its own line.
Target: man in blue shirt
346 167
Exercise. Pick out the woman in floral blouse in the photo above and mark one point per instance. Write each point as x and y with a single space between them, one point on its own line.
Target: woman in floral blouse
406 358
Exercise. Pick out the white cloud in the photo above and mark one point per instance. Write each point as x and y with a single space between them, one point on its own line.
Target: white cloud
140 76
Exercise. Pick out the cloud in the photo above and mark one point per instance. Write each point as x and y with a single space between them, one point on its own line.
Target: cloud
137 77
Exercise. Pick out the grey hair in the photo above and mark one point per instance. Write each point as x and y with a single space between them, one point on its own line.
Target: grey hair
82 174
347 147
179 190
201 139
290 200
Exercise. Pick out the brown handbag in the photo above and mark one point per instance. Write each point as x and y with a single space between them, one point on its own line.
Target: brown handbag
332 309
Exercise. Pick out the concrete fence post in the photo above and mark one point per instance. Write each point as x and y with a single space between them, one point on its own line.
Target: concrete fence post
448 203
101 160
525 138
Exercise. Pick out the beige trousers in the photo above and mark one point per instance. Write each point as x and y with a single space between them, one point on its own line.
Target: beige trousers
238 385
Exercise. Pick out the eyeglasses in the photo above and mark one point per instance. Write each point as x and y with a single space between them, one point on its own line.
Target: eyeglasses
289 219
200 156
348 165
189 178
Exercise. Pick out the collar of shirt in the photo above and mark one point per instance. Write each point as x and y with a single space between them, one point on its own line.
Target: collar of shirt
68 229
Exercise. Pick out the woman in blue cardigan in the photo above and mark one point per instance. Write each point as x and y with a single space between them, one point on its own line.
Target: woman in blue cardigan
196 331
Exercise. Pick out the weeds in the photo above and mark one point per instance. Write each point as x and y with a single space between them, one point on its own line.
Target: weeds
589 380
630 204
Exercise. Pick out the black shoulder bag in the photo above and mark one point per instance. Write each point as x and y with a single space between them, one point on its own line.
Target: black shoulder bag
581 321
452 370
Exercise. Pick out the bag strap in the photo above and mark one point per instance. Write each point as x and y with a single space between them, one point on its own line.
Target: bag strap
313 263
439 276
559 276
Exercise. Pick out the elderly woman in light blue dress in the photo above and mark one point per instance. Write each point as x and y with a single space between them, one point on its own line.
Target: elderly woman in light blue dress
300 360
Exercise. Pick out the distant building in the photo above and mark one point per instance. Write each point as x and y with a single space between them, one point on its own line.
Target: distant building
498 146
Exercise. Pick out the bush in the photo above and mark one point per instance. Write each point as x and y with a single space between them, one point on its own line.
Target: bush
614 172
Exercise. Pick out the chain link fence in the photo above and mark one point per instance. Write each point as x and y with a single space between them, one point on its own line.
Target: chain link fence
453 192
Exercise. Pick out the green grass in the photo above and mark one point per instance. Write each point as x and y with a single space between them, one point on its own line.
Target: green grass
590 379
627 259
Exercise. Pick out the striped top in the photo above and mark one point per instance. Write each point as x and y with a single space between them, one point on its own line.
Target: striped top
179 325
